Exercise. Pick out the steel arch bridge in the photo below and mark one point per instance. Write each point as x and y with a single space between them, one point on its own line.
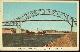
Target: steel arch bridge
64 17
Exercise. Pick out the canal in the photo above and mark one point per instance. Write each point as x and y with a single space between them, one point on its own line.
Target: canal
23 40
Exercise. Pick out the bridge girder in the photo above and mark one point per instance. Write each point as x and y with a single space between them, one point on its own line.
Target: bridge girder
34 13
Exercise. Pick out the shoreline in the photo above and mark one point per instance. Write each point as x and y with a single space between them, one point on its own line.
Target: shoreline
68 40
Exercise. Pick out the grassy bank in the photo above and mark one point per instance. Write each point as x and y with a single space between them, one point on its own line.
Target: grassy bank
68 40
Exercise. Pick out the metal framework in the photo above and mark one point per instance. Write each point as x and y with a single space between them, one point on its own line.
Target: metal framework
63 16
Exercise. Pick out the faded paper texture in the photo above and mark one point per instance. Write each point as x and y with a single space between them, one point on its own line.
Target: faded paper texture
39 25
36 0
1 15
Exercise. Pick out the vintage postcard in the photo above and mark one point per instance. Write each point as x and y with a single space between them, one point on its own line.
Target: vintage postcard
39 25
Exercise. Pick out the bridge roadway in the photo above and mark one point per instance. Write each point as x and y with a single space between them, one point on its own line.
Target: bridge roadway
34 20
14 23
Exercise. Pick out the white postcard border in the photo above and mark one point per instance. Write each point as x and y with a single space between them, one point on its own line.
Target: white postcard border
38 48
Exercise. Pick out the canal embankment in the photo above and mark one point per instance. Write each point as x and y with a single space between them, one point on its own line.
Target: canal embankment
68 40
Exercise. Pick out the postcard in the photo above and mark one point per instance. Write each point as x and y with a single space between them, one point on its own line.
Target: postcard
39 25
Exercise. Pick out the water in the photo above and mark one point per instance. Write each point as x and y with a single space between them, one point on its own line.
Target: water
22 40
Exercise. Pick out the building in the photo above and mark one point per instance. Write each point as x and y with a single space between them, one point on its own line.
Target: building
13 30
18 30
8 30
49 31
53 32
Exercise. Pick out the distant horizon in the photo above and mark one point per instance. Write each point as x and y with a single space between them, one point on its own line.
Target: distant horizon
40 30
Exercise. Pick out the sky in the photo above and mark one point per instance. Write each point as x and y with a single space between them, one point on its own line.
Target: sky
13 10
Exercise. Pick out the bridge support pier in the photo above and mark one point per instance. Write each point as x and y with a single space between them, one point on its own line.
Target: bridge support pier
18 28
72 24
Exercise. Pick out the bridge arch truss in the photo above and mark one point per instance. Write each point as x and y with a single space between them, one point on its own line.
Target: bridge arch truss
26 16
